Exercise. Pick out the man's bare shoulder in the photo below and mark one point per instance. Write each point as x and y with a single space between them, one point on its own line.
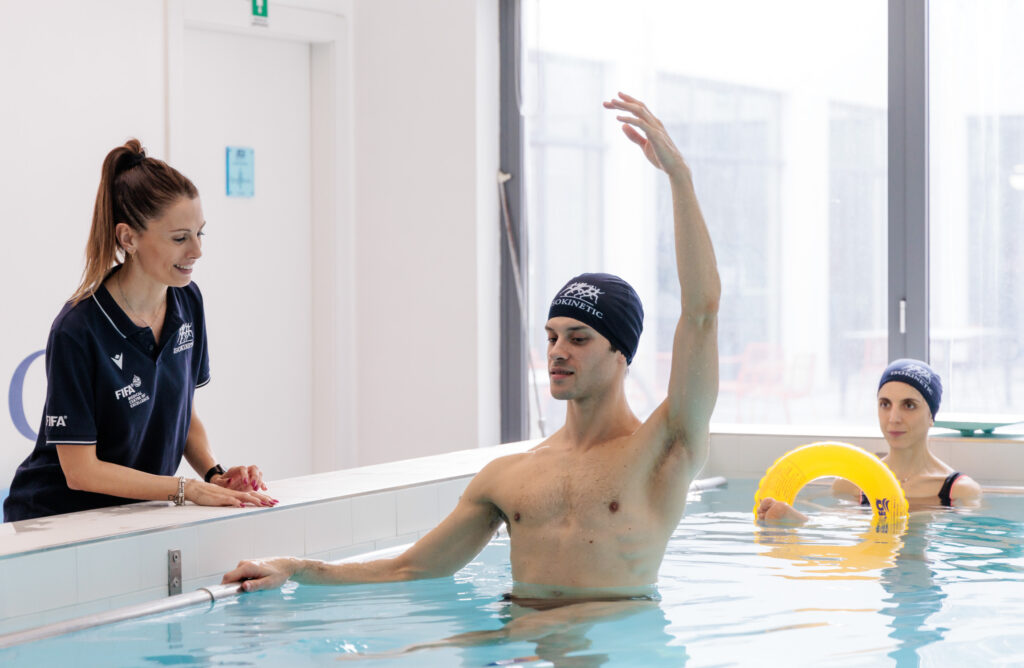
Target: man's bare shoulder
514 466
501 466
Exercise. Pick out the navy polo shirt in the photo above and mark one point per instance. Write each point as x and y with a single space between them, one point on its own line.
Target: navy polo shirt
112 385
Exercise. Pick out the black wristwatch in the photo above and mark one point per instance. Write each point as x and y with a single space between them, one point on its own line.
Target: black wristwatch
216 470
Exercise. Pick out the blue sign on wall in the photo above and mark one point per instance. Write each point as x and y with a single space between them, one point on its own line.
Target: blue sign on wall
14 397
240 163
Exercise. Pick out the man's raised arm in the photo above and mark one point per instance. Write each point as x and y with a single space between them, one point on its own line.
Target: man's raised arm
443 551
693 384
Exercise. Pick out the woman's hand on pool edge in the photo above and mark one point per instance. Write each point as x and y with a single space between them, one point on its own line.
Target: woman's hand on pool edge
241 478
262 573
208 494
773 510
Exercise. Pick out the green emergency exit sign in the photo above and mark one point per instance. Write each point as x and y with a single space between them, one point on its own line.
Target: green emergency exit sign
259 12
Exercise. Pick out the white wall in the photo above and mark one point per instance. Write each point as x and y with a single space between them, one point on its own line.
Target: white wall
75 81
426 109
79 79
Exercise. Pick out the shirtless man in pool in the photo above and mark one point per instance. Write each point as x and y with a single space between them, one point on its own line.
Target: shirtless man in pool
591 509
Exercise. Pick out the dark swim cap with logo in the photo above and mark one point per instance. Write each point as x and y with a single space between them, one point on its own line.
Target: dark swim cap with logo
918 375
608 304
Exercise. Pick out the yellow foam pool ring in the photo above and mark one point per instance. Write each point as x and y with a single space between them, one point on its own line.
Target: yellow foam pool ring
871 550
790 472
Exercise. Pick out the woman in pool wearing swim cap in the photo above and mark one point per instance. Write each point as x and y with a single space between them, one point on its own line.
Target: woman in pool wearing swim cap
909 394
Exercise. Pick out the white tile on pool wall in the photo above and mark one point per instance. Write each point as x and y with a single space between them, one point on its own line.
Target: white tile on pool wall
141 596
729 458
405 539
221 545
38 581
989 461
280 533
373 517
755 458
448 494
997 462
328 526
716 463
200 582
153 555
20 623
415 509
110 568
351 551
941 449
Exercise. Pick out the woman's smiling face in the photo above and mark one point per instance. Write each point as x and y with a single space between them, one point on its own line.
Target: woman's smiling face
168 248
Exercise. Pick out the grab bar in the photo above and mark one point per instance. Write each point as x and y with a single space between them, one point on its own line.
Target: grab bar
201 595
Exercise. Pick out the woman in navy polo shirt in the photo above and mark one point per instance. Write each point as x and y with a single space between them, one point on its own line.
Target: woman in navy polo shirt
124 357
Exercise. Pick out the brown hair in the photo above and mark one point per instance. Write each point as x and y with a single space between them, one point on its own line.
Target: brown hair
134 189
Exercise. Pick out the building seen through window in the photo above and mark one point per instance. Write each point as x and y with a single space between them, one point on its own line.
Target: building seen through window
785 130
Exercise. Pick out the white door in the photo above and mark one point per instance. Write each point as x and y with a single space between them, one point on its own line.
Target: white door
255 274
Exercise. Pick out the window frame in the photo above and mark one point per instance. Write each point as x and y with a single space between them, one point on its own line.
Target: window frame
907 225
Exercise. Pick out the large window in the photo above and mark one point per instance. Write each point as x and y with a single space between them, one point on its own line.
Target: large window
781 116
857 253
565 182
976 170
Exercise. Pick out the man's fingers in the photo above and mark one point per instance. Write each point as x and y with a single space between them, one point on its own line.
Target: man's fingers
633 106
244 571
634 136
254 576
650 134
257 584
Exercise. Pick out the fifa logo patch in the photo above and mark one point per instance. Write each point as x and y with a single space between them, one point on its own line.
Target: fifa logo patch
132 393
56 420
185 338
580 295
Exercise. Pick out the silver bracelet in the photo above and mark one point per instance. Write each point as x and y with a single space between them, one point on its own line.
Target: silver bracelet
179 498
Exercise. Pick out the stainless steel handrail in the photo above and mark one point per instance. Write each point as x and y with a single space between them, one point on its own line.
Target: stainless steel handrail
201 595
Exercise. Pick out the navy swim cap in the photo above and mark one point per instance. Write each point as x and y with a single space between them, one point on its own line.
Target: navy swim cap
918 375
608 304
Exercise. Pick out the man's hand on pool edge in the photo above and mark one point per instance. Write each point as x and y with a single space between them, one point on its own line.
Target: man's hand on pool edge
259 574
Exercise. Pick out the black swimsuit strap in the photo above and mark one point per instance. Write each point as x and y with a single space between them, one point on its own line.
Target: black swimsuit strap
947 486
944 499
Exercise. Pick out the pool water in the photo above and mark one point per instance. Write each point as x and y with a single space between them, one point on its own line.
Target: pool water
945 592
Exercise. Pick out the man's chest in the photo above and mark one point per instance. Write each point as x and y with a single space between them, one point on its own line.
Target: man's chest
561 492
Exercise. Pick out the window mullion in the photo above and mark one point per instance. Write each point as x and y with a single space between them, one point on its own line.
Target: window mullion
908 179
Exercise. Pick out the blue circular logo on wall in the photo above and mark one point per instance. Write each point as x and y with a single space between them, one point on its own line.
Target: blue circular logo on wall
14 397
